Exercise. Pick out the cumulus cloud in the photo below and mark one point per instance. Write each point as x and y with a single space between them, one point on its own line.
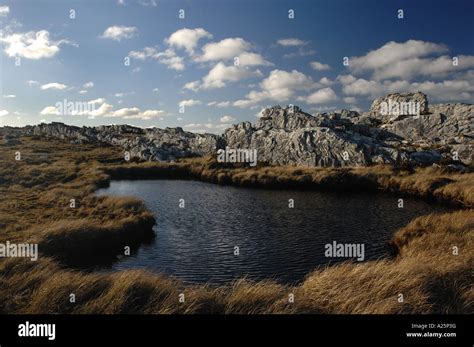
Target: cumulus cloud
100 108
219 75
316 65
220 104
31 45
50 111
446 90
187 38
88 85
54 86
321 96
410 66
119 32
4 11
167 57
403 60
136 113
252 59
279 86
171 60
291 42
227 119
224 49
193 85
189 102
3 113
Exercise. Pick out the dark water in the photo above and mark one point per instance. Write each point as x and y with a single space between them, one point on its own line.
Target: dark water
196 243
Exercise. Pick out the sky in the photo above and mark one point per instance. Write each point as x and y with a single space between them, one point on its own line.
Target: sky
206 64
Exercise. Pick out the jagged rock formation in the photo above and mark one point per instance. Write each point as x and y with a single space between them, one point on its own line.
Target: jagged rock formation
289 136
147 144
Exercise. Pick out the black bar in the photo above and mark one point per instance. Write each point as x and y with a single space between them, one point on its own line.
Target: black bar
318 330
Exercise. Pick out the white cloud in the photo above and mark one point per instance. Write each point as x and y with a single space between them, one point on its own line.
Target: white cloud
88 85
227 119
31 45
9 96
219 104
392 52
119 32
148 52
220 74
3 113
148 3
189 102
83 91
136 113
278 86
171 60
32 83
291 42
97 101
326 81
126 112
461 89
121 95
50 111
321 96
252 59
407 60
316 65
53 85
193 85
449 90
224 49
167 57
4 11
187 38
104 109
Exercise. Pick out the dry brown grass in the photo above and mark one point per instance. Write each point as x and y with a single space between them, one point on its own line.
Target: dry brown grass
35 195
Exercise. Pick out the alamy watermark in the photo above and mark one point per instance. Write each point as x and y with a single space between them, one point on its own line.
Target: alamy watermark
19 250
28 329
397 108
345 250
75 108
238 155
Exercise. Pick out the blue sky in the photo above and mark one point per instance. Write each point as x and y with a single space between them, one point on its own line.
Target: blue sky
48 58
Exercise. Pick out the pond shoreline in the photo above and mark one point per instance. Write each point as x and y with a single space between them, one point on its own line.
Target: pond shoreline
427 267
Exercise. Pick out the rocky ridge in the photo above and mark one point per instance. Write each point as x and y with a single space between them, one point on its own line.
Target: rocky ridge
289 136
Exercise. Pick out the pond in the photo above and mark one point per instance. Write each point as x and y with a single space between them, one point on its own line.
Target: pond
216 234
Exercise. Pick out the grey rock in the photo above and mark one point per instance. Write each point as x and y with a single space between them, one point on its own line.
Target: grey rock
289 136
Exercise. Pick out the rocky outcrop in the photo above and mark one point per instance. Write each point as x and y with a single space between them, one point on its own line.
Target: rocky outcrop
290 136
147 144
395 106
388 134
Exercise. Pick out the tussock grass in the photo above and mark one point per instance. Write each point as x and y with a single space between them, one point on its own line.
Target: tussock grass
431 278
35 194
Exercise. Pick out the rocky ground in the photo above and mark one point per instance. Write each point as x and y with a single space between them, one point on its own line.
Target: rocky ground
436 134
